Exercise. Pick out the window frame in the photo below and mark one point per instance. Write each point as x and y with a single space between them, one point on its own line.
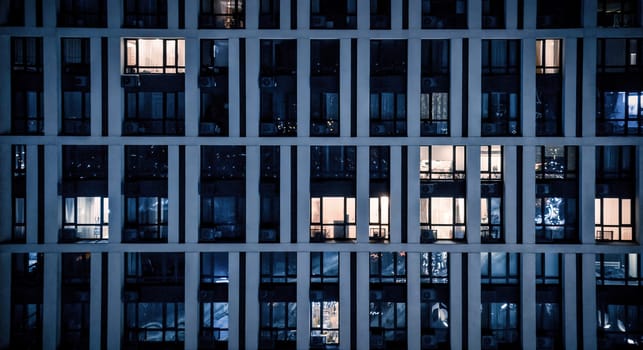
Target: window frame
541 55
511 275
268 260
376 274
602 277
620 125
325 258
234 18
132 330
569 164
379 230
216 334
600 227
454 226
166 68
570 228
160 227
210 261
427 172
318 230
102 225
271 331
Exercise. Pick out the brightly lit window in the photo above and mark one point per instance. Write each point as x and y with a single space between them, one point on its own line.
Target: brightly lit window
379 218
324 298
556 219
165 56
86 218
442 163
324 328
613 219
332 218
442 218
491 162
548 56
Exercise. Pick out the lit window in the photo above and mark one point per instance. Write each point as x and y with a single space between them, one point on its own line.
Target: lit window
332 218
434 267
442 218
620 113
556 162
324 328
442 163
491 162
164 56
490 218
324 298
226 14
556 219
86 218
613 219
379 218
548 56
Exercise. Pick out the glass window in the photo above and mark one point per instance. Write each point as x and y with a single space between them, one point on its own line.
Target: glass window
548 56
165 56
324 267
145 14
500 322
158 322
491 162
86 218
333 14
556 219
442 163
214 268
442 14
434 267
499 268
618 13
154 268
619 269
278 267
333 162
619 55
548 268
442 218
226 14
145 162
332 218
615 162
278 323
556 162
491 219
620 113
215 321
613 219
387 267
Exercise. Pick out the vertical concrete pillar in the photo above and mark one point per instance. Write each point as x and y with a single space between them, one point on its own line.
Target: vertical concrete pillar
303 87
96 86
414 60
253 209
252 87
234 92
303 194
570 76
345 87
252 300
95 301
395 196
191 303
528 87
284 194
173 194
509 198
527 306
345 280
234 304
115 273
192 93
475 87
192 199
303 300
51 301
363 194
473 194
456 67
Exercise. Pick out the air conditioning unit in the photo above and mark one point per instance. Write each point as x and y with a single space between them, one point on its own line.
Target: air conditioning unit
316 295
377 342
375 295
317 21
428 295
428 236
131 127
267 82
268 129
378 130
317 341
427 189
81 81
489 342
268 235
429 342
130 80
429 83
207 82
68 235
130 296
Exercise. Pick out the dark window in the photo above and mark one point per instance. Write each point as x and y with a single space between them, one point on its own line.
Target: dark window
434 98
75 86
493 14
278 88
380 14
387 301
500 88
18 192
277 267
548 87
324 267
82 13
339 14
328 162
155 323
213 82
145 162
26 300
14 13
214 268
558 14
154 113
228 14
269 192
75 300
500 306
27 85
619 55
324 88
618 13
615 163
278 300
145 14
164 56
388 88
443 14
269 13
434 297
620 113
154 268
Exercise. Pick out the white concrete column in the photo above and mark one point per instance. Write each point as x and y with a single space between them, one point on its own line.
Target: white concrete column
456 300
472 198
6 200
51 301
570 72
173 209
303 87
252 300
303 194
345 280
191 302
414 60
415 15
455 87
413 290
474 12
528 194
509 194
588 18
397 13
252 15
191 23
95 301
528 87
5 299
5 84
284 194
529 9
51 84
252 87
586 194
96 86
31 202
395 195
49 12
363 16
589 87
413 195
303 300
114 187
253 208
284 16
234 304
363 194
192 93
511 14
115 273
114 91
475 86
234 92
474 330
363 81
362 299
114 13
588 302
30 13
344 87
192 199
173 14
51 201
570 316
303 15
527 306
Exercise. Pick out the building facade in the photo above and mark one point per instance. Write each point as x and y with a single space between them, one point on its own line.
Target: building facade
293 174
